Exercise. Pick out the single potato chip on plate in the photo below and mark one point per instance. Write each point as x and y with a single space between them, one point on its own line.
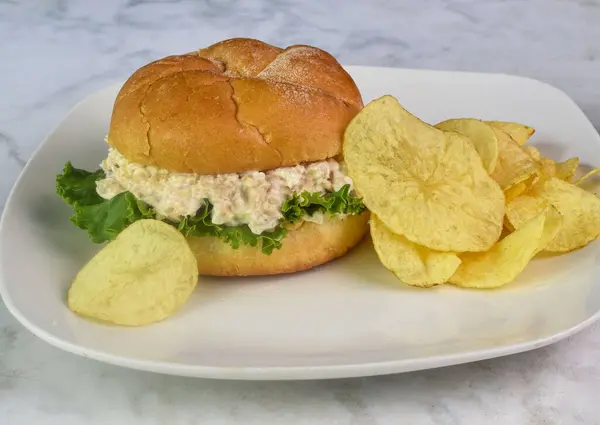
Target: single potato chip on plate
580 211
143 276
519 132
480 134
503 263
411 263
423 183
514 164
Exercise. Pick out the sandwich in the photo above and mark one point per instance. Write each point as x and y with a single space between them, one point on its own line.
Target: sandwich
238 146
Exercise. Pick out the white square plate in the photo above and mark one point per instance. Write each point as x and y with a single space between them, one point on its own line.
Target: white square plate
348 318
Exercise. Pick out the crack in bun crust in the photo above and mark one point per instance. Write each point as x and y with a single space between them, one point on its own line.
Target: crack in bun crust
236 106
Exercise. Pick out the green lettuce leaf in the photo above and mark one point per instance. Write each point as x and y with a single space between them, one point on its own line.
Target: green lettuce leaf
331 203
104 219
201 225
75 185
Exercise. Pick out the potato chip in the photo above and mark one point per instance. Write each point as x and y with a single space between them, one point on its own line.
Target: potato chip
580 211
519 132
503 263
522 209
566 170
141 277
423 183
533 152
508 229
515 191
480 134
411 263
546 170
514 164
519 188
549 168
587 176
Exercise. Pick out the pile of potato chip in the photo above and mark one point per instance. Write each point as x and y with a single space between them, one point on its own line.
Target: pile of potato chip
464 201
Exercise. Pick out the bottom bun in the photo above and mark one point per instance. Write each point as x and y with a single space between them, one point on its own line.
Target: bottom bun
305 247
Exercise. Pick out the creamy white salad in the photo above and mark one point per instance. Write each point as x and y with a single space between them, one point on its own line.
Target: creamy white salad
254 198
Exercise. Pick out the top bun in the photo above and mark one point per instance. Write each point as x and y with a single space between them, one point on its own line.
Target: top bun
236 106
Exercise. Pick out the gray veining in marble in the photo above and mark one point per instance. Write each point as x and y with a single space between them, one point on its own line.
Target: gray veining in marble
55 52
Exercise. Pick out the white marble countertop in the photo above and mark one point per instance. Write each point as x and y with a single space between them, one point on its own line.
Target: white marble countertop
56 52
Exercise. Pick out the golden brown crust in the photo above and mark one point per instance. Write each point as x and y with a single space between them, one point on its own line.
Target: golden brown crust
236 106
241 57
308 246
314 68
283 113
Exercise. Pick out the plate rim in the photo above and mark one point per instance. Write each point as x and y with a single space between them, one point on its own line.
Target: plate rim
335 371
282 373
